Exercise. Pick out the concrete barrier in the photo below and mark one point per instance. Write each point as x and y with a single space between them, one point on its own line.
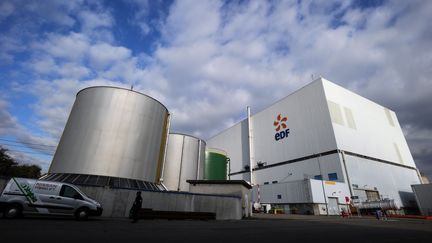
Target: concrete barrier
117 202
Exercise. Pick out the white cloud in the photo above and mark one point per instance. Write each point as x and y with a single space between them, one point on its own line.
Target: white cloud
8 46
51 11
191 20
102 55
7 121
6 9
91 20
25 140
71 47
141 16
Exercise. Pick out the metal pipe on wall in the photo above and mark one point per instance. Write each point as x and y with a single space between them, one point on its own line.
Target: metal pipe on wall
322 184
250 145
166 148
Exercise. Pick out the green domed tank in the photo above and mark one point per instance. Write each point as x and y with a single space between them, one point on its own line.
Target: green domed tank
215 167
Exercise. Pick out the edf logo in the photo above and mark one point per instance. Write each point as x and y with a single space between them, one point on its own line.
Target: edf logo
281 128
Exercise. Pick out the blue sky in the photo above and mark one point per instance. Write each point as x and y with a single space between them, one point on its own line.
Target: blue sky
194 55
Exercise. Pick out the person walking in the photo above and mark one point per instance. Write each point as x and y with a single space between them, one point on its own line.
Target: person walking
136 207
378 214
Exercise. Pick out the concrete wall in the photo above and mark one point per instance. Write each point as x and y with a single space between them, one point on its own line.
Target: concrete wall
224 189
117 202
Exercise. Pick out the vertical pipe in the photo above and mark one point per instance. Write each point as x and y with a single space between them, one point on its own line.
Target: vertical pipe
258 194
348 179
346 173
165 149
181 164
322 184
250 157
250 146
229 169
198 160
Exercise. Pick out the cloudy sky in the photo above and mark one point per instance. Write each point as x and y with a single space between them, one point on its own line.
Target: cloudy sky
208 60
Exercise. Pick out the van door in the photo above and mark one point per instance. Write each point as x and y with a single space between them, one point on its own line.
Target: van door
47 193
67 200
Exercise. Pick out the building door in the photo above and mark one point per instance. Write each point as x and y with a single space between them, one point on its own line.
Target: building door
333 206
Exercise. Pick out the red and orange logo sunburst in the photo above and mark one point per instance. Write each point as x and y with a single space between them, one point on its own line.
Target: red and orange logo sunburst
280 122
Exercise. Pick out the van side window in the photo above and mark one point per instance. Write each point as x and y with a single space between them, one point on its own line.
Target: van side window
67 191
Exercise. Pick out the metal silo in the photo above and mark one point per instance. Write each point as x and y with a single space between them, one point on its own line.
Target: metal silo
184 160
115 133
215 165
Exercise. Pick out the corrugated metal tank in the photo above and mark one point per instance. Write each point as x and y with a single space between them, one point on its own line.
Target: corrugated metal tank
215 165
184 160
113 132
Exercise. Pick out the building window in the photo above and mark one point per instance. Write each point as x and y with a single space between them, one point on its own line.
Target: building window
279 196
318 177
332 177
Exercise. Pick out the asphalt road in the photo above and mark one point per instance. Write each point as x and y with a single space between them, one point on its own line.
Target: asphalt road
263 229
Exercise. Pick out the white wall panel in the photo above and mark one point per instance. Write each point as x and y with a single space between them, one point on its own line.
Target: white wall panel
301 191
376 128
391 181
234 141
282 193
309 123
338 190
301 170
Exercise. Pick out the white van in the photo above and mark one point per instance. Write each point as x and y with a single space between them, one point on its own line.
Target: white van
46 197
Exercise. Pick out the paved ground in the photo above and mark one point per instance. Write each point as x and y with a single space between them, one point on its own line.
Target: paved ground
264 228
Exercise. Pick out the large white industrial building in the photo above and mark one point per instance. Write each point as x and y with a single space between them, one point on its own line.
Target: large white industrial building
321 140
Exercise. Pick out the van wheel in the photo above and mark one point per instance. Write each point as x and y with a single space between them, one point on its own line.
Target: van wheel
13 211
81 214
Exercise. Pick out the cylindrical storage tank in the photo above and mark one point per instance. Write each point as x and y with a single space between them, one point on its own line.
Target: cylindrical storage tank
113 132
184 160
215 165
